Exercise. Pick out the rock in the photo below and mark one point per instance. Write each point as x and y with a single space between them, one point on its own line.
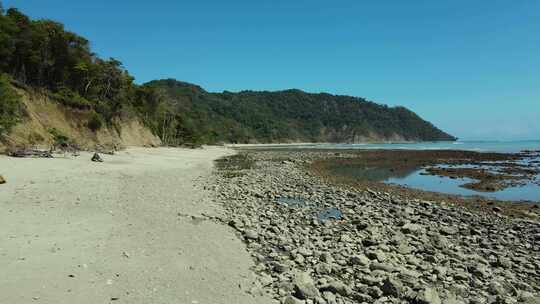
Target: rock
345 238
503 262
337 287
411 228
97 158
359 260
2 180
428 296
329 297
448 230
251 234
383 267
237 224
327 257
304 287
392 287
496 288
291 300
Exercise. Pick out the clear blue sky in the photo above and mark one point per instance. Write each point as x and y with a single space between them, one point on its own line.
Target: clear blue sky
470 67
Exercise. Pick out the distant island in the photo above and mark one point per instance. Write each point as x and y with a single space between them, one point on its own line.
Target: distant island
88 101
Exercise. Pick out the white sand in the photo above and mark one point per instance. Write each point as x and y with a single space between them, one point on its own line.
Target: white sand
74 231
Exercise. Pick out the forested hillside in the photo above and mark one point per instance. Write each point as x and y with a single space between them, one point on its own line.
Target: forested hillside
41 57
287 116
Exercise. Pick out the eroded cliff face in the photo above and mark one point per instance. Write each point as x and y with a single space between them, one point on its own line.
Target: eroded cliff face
41 114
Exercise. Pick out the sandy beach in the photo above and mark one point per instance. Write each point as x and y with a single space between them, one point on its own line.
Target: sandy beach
132 229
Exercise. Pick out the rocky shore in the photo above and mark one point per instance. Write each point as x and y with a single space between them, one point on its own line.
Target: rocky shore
314 242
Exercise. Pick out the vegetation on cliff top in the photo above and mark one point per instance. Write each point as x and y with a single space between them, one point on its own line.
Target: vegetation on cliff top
42 55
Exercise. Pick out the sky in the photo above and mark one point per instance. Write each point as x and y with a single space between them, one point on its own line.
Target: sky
472 68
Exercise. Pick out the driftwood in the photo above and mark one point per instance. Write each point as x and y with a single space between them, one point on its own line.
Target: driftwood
31 153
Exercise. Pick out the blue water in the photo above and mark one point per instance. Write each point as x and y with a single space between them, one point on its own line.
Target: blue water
528 192
480 146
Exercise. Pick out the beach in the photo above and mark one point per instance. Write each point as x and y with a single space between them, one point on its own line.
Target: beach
137 228
217 225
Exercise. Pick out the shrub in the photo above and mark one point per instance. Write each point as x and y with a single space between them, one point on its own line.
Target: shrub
58 137
96 122
72 99
10 106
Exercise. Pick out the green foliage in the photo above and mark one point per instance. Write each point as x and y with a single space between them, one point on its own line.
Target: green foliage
72 99
290 115
59 139
96 122
10 106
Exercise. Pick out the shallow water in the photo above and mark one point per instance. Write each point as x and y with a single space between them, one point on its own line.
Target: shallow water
412 177
443 184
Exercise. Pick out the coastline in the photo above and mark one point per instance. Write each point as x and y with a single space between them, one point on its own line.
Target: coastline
138 228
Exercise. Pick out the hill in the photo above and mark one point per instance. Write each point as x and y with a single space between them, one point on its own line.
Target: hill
287 116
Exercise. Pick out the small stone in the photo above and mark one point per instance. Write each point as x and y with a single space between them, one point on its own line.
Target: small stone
2 180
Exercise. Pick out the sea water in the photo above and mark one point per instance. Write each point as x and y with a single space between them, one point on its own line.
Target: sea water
479 146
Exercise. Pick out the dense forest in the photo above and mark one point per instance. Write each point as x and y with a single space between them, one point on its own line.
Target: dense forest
42 55
285 116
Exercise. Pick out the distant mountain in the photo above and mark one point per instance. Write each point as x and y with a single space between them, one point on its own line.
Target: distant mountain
288 116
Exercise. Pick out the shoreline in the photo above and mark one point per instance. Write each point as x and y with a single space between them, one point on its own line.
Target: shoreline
319 242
